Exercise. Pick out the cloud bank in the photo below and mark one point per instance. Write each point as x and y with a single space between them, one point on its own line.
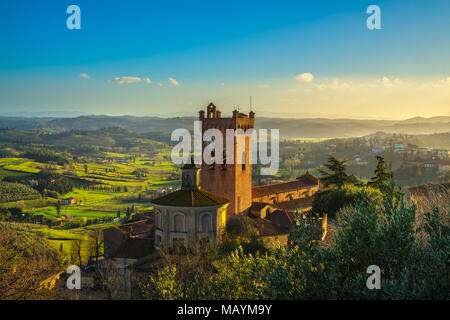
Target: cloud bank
126 79
305 77
174 82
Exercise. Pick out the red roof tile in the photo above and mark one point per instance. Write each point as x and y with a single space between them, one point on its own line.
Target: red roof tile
267 228
190 198
305 181
137 227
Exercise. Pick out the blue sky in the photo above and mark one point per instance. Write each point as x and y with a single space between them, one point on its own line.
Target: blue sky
172 57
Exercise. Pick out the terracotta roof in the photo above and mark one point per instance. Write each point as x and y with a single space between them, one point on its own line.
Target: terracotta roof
301 204
259 205
443 162
267 228
282 218
138 227
302 182
190 198
308 178
431 187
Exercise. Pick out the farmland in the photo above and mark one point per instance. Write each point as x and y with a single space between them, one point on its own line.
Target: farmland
16 191
107 187
109 179
110 189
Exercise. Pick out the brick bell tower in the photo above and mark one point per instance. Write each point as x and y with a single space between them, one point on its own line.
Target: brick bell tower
231 181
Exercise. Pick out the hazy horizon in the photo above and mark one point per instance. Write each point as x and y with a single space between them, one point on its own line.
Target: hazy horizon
75 114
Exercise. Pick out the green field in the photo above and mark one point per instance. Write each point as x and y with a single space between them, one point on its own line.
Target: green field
112 186
8 173
53 237
131 175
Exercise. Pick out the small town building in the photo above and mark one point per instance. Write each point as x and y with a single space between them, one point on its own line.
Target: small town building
443 165
38 218
129 240
67 201
427 191
275 225
302 187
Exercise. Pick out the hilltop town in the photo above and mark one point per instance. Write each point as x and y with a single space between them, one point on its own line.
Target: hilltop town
112 202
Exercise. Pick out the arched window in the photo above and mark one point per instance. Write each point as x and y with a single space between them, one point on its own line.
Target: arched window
158 240
188 181
212 166
158 219
205 223
204 242
178 223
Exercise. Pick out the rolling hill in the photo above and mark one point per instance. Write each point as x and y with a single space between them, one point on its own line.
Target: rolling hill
289 128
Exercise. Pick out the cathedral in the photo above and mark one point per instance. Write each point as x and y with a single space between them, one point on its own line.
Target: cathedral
198 212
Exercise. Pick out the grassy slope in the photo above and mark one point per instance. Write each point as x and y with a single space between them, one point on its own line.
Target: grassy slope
97 203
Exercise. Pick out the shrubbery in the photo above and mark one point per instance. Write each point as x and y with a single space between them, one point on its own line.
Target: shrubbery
381 232
47 181
330 201
46 156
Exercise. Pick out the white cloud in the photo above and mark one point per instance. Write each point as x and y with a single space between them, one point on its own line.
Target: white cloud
356 85
337 85
174 82
386 82
121 80
85 76
439 84
305 77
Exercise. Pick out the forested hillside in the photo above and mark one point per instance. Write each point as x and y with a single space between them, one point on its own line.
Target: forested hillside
289 128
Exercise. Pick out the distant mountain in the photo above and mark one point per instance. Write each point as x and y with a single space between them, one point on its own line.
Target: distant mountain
107 137
289 128
342 128
442 119
43 114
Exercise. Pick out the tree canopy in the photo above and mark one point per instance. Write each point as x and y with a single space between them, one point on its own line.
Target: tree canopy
382 176
337 174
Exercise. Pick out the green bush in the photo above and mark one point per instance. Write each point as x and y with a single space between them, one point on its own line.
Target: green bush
46 156
382 233
330 201
51 194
